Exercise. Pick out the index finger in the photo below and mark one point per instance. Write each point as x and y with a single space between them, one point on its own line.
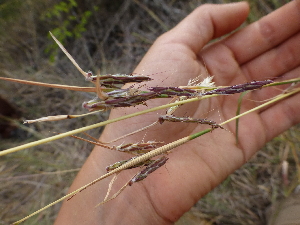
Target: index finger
266 33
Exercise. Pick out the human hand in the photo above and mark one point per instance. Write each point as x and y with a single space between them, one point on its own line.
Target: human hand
265 49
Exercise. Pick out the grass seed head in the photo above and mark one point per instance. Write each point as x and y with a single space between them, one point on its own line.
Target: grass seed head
149 169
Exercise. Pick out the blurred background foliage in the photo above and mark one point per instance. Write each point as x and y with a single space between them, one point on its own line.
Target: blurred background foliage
112 36
95 31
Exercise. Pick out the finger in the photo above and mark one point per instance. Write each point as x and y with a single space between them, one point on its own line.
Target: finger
266 33
206 23
276 61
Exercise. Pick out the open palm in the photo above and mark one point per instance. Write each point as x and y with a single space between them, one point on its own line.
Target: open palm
263 50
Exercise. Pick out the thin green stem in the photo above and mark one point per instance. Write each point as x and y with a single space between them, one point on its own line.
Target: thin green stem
83 129
276 99
238 111
291 81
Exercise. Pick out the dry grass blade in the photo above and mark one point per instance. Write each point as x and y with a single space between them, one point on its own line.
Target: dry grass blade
134 132
69 56
59 117
60 86
110 186
153 15
106 199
